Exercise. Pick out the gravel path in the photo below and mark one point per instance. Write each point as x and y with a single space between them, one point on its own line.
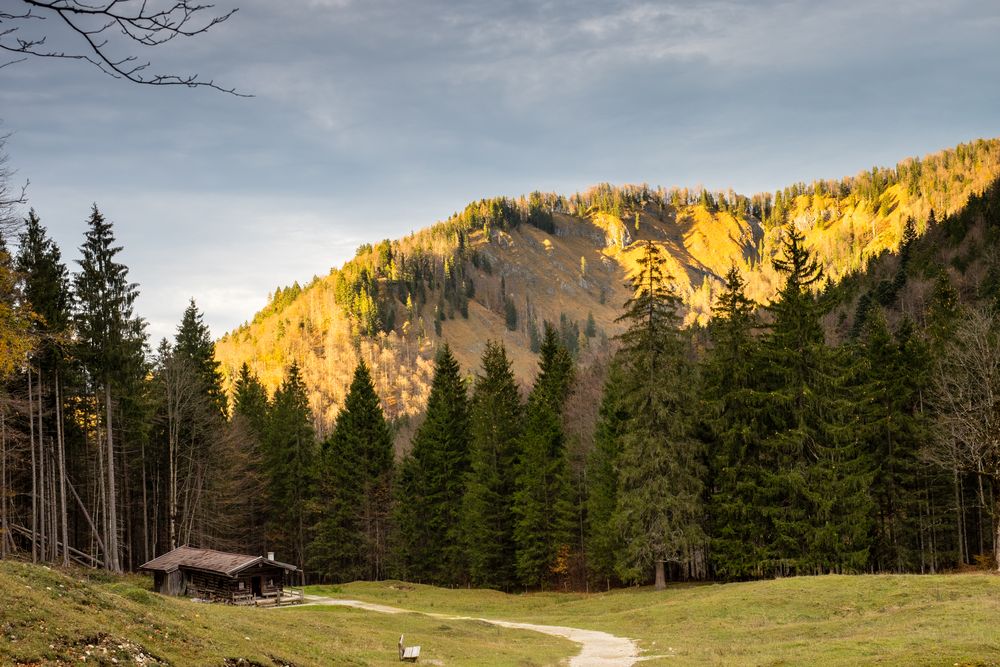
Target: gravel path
599 649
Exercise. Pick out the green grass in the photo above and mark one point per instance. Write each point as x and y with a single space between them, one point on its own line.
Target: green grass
831 620
48 616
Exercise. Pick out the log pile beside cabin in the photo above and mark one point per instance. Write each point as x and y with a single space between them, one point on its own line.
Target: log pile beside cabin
220 576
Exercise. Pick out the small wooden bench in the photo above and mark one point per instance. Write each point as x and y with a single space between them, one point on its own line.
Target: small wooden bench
408 653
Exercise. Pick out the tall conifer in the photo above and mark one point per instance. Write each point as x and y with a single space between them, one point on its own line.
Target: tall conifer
250 414
432 481
730 392
814 488
543 506
895 371
194 342
250 401
496 423
604 541
111 340
46 290
659 510
290 459
354 488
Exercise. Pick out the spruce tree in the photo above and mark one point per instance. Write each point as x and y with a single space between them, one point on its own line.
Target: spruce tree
250 401
943 311
895 369
110 344
46 282
46 291
496 417
543 506
814 489
604 542
194 342
250 412
354 489
290 460
432 481
731 401
659 510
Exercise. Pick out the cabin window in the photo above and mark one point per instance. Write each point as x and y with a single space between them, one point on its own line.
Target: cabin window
270 581
242 585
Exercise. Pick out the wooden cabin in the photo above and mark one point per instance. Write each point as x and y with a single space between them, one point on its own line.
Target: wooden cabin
220 576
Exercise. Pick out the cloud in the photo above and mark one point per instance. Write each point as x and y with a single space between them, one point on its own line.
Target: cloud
375 118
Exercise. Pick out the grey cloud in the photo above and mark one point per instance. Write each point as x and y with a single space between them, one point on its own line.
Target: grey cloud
376 117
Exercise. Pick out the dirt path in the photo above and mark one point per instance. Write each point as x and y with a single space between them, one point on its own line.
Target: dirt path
599 649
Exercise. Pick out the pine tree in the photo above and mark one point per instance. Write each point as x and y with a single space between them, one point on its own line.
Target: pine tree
604 542
905 252
814 491
46 291
496 423
111 341
432 481
543 507
290 459
739 537
250 415
659 511
46 280
943 311
354 488
250 401
895 375
194 342
510 314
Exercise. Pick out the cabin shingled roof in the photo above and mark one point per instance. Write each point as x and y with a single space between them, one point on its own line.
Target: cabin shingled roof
207 560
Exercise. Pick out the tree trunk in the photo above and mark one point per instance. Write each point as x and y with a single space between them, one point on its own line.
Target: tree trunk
3 484
43 491
996 535
661 575
960 523
34 472
86 515
172 472
145 504
63 513
979 512
99 498
112 496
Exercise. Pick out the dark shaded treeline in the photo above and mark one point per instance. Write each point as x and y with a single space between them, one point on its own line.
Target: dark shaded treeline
841 428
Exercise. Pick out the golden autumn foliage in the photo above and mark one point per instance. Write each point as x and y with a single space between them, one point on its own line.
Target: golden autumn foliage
566 259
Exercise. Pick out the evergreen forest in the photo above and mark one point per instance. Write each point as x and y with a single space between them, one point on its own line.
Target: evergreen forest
804 384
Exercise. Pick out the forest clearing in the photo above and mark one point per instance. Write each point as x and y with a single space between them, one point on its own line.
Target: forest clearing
53 616
585 334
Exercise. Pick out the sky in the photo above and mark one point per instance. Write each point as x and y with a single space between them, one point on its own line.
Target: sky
373 118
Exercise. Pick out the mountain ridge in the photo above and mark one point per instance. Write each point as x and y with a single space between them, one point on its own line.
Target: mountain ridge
503 266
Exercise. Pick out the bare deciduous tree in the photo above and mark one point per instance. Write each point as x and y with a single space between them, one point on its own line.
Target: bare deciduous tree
105 33
967 397
10 196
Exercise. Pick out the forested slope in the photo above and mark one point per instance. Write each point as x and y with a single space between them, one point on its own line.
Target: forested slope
501 267
829 418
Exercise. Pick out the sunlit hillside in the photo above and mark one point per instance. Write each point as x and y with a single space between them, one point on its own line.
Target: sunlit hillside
502 267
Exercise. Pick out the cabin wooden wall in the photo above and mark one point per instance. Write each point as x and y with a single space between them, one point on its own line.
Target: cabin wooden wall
216 587
169 584
274 575
210 586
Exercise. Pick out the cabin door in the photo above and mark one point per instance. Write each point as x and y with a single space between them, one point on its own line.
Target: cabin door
255 588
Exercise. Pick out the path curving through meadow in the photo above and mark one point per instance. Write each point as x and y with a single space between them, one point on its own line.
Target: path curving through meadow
598 649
